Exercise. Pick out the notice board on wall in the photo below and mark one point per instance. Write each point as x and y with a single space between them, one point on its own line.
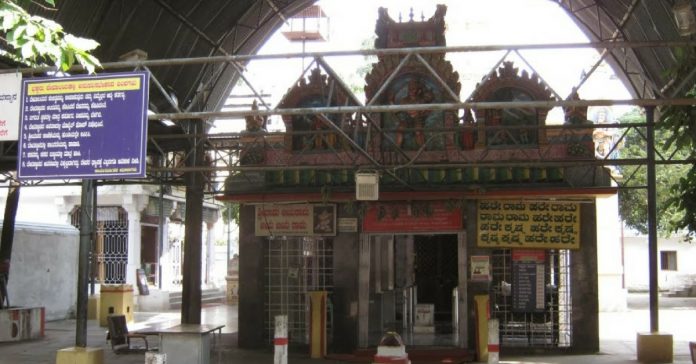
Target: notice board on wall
528 277
295 220
84 127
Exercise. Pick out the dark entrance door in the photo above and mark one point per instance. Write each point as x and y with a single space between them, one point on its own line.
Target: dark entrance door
436 275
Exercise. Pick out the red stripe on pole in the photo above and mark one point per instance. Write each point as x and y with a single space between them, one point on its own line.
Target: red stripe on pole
280 341
493 348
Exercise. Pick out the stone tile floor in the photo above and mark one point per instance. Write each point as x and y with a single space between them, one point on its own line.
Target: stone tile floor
617 332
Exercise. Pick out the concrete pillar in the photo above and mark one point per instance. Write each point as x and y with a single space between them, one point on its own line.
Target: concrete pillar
133 206
209 253
610 263
165 259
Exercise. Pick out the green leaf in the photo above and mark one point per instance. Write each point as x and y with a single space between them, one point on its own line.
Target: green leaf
15 35
32 29
50 2
66 60
9 20
28 50
86 62
47 24
82 44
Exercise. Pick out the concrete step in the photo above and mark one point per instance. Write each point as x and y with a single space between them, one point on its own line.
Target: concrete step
208 296
687 291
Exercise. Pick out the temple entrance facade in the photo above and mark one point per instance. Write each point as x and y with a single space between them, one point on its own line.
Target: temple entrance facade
422 220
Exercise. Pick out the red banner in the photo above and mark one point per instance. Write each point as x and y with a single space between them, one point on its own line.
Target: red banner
409 218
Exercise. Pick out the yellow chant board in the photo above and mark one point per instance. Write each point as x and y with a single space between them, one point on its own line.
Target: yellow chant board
528 224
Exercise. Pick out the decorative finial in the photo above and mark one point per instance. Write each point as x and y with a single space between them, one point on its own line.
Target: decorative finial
410 14
422 16
399 17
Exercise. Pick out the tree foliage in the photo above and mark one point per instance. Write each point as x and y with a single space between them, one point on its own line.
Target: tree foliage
37 41
633 206
230 213
679 121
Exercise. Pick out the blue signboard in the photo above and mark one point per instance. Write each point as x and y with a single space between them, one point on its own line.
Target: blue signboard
86 127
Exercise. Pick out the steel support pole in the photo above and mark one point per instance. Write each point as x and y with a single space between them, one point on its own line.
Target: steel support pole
160 237
652 219
7 240
8 226
86 218
92 257
191 291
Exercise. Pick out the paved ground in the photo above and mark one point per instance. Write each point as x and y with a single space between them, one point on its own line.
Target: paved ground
617 332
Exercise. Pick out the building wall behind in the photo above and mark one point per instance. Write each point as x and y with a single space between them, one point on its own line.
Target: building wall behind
636 261
612 292
43 269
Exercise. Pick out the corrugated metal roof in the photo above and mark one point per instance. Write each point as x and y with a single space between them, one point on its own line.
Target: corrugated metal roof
199 28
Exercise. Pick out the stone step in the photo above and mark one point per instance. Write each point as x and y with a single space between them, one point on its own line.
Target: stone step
685 291
208 296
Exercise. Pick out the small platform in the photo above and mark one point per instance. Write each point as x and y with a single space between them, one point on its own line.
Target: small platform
654 347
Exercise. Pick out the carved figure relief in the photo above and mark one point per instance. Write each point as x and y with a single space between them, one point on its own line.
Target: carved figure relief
415 84
316 131
520 126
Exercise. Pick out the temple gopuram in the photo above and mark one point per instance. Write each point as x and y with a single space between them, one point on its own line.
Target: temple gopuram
421 218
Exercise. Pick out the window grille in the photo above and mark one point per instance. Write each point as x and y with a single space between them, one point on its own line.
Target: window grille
111 246
550 327
294 267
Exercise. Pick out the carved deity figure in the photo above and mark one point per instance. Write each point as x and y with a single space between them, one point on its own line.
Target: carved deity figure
255 123
417 93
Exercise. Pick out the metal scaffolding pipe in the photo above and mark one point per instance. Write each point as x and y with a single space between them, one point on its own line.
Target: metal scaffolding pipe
463 164
368 52
205 115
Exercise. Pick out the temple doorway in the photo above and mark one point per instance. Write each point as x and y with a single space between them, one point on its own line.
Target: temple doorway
413 289
435 269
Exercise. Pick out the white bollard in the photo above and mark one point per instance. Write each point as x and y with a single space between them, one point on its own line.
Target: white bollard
155 358
280 340
493 344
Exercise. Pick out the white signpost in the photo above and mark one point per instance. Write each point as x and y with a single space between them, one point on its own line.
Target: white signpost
10 100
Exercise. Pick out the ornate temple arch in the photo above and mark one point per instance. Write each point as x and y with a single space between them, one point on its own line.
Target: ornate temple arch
520 126
413 79
312 132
